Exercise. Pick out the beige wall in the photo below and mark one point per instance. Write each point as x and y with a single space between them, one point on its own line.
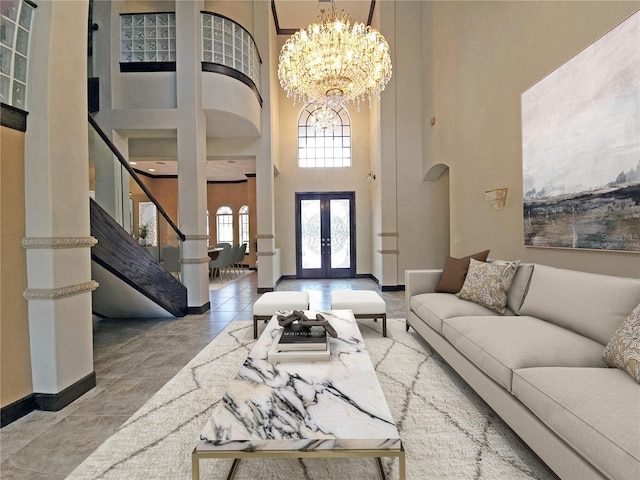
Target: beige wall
292 179
237 10
234 195
15 361
422 206
165 190
480 57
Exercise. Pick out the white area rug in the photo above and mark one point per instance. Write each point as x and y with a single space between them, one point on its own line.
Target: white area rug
447 430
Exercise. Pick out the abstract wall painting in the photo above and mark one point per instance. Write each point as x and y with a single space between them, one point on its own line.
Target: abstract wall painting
581 148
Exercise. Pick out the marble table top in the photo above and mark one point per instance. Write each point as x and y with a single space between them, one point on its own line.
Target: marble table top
304 406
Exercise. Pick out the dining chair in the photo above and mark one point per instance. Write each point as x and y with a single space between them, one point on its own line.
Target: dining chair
220 263
171 260
238 260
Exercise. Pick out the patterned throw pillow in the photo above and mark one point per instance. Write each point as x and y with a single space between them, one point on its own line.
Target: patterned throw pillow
623 350
487 284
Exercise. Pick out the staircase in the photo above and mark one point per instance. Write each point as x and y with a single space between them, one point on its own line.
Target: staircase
133 284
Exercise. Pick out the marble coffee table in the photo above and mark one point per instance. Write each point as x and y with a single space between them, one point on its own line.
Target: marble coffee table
301 410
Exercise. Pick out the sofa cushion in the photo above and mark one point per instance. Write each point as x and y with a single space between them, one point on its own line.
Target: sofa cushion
590 304
595 410
519 287
433 307
498 345
487 284
623 350
455 271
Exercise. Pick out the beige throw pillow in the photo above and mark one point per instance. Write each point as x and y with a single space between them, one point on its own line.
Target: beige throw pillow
487 284
623 350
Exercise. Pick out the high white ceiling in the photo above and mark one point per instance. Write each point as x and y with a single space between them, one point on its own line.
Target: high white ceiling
291 15
297 14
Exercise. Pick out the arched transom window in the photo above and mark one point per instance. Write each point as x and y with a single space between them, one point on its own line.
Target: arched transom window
328 147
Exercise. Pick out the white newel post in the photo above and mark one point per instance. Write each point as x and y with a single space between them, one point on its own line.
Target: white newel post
192 155
58 237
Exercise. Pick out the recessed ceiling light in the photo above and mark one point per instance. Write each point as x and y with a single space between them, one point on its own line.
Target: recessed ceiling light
152 169
160 163
133 163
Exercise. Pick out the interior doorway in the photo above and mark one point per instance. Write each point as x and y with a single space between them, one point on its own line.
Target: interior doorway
325 235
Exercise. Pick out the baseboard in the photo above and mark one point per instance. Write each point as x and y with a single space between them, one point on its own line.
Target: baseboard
16 410
383 288
52 402
199 310
370 276
392 288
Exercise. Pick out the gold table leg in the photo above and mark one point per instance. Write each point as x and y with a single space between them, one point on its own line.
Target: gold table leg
378 454
195 466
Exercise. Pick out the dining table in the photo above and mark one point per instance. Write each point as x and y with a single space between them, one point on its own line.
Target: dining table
213 252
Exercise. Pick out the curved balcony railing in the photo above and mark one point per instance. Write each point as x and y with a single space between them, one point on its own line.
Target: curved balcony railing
148 44
229 49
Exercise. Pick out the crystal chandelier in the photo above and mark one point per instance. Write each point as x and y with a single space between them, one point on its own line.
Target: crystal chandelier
324 119
332 63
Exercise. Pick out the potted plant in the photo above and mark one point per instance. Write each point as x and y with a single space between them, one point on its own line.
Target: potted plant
143 231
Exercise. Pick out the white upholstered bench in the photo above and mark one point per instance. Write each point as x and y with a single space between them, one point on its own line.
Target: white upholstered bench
269 303
363 304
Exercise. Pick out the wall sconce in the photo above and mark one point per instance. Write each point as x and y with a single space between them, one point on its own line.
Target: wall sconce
371 177
497 197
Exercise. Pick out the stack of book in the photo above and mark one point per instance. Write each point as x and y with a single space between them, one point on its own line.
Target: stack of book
295 343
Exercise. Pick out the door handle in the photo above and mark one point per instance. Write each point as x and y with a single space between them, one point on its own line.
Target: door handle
325 244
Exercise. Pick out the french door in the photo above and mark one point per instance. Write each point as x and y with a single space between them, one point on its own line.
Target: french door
325 235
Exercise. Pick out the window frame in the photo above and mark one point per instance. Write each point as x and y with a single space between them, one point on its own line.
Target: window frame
243 225
16 48
224 223
330 148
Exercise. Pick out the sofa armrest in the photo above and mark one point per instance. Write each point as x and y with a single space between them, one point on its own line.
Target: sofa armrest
420 281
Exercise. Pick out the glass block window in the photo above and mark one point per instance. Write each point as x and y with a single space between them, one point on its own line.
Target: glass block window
326 148
15 26
148 37
224 224
243 217
227 43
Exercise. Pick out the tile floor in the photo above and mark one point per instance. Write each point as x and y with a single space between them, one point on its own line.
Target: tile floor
132 360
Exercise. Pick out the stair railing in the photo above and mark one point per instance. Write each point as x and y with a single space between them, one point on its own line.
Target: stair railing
122 193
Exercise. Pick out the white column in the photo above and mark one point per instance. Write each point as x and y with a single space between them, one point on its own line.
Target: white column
192 154
388 234
264 34
57 203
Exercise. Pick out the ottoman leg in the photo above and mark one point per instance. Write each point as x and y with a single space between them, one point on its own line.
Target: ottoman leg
384 324
255 326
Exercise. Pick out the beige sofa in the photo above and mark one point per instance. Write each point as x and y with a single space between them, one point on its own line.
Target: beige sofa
539 365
